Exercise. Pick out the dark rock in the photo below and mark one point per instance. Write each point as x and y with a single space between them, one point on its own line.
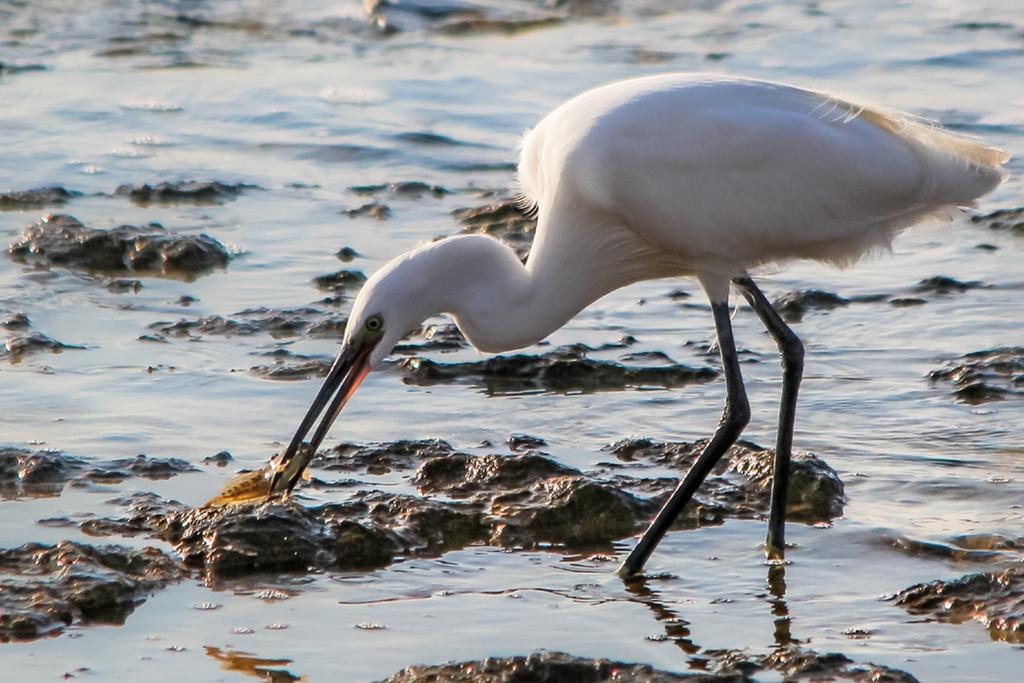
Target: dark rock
740 484
996 599
381 458
339 281
346 254
16 321
46 588
792 306
35 199
294 367
45 473
433 337
408 188
183 191
1004 219
19 346
561 370
904 301
545 667
61 240
220 459
505 220
798 664
123 286
966 548
984 376
375 210
278 323
524 442
940 284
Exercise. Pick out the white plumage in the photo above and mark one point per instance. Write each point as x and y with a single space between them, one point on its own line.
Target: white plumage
676 175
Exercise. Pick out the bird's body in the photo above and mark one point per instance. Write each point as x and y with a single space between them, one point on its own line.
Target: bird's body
676 175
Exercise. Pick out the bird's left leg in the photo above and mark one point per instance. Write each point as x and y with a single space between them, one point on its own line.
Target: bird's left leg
734 418
791 351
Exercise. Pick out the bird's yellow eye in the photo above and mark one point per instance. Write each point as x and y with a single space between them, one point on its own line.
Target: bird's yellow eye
373 323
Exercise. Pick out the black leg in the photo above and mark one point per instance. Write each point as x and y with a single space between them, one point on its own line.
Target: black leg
734 418
792 354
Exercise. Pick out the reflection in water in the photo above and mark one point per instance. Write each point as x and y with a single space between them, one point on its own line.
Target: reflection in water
780 610
676 628
246 663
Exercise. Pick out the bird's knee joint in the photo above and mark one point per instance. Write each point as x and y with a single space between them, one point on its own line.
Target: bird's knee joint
737 415
792 352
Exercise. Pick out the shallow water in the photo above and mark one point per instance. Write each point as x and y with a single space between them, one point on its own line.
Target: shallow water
305 100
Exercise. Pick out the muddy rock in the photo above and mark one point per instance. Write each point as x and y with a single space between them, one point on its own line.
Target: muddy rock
183 191
46 588
62 240
35 199
506 220
1004 219
996 599
406 188
124 286
984 376
458 16
799 664
544 667
21 345
346 254
792 306
289 367
433 337
740 484
566 369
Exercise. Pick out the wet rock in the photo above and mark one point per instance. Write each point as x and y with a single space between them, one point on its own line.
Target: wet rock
382 458
220 459
46 473
457 16
1004 219
376 210
524 442
563 370
967 548
19 346
246 539
16 321
123 286
340 281
740 484
433 337
35 199
798 664
46 588
183 191
544 667
984 376
292 367
792 306
904 301
505 220
278 323
62 240
346 254
408 188
996 599
940 284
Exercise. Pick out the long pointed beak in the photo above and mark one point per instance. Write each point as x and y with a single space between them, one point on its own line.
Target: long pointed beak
349 370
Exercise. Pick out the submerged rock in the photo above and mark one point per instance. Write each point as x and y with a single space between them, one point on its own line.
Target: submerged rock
376 210
407 188
339 281
1003 219
62 240
792 306
984 376
996 599
433 337
460 16
505 220
16 321
183 191
45 588
566 369
35 199
941 284
21 345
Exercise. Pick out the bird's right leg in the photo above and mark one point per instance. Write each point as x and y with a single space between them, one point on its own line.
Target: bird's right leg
791 351
734 418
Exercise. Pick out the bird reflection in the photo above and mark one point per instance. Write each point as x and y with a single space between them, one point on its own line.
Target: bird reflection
780 610
250 665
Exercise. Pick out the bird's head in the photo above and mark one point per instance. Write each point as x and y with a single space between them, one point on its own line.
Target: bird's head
396 299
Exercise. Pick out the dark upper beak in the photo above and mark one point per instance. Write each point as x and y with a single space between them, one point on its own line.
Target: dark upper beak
349 369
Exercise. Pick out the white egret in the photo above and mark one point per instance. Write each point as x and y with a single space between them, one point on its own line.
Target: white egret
675 175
